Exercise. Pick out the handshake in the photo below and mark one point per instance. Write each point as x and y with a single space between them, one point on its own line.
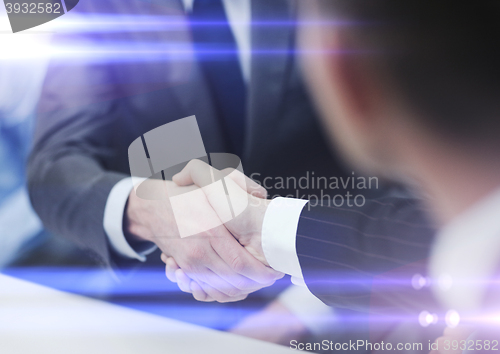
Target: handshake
224 263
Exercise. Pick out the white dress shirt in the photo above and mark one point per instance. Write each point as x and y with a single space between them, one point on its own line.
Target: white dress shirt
466 255
279 232
311 311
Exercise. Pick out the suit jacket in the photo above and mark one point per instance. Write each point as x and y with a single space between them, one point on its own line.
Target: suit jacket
369 258
91 111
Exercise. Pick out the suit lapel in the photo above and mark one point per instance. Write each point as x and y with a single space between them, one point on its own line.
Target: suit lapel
194 97
271 47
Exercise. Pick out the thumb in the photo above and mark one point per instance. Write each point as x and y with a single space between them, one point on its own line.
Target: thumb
201 174
195 172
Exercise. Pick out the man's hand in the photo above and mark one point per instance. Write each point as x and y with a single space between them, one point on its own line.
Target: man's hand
275 323
246 227
221 268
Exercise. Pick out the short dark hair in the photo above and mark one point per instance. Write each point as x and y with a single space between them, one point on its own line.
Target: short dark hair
443 57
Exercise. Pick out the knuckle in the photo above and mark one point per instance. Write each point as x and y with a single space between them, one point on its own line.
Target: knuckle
237 265
233 292
242 284
197 254
192 163
195 164
182 287
188 268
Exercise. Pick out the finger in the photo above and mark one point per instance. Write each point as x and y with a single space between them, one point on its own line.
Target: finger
183 281
170 274
222 269
201 262
170 269
231 252
199 294
245 183
216 193
243 263
195 172
225 261
212 278
203 176
239 284
218 296
200 173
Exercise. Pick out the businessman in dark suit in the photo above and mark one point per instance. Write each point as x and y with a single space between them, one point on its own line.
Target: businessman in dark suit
92 110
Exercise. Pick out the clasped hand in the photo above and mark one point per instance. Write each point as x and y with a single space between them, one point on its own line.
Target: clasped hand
222 264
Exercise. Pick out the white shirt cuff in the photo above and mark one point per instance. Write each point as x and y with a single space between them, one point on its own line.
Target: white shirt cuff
310 310
279 232
113 221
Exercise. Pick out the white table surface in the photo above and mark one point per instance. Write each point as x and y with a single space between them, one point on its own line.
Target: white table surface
39 320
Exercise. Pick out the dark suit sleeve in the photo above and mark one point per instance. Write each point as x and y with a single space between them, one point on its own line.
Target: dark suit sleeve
67 174
364 258
91 109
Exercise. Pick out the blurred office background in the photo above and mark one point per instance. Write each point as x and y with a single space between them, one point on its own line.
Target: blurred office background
22 71
20 84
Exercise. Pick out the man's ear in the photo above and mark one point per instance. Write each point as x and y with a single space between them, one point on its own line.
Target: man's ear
353 81
347 92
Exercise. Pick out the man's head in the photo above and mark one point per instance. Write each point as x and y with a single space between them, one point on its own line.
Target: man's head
392 76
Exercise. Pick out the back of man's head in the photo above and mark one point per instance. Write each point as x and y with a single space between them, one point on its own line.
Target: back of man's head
442 56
